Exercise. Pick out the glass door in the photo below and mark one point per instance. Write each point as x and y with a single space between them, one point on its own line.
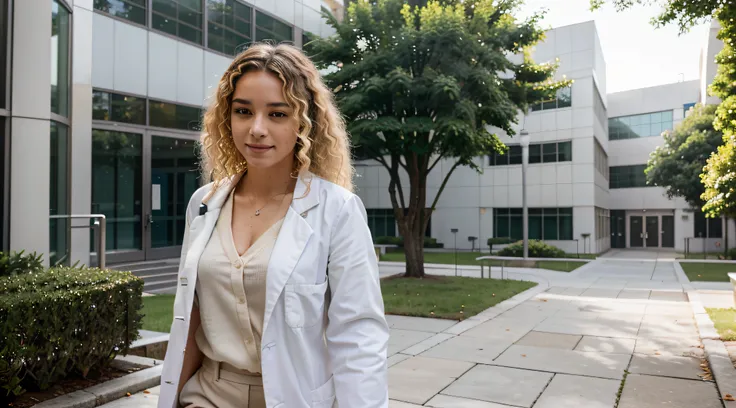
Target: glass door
172 178
636 239
117 186
652 232
668 231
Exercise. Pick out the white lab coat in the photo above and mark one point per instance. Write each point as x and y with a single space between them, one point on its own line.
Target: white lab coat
325 335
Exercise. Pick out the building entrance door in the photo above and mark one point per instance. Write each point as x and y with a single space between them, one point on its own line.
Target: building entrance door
651 230
618 229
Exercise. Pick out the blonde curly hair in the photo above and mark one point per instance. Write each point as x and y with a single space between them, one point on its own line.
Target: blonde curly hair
322 144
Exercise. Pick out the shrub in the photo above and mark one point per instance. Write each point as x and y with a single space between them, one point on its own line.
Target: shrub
399 241
499 241
63 321
15 263
537 249
732 254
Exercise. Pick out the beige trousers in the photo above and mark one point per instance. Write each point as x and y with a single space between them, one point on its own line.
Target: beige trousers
219 385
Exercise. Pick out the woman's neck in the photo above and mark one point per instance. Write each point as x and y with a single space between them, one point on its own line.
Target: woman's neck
267 182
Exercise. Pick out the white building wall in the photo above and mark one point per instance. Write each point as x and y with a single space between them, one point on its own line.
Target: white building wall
708 66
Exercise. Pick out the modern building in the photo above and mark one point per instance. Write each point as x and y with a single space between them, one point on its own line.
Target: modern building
586 186
100 102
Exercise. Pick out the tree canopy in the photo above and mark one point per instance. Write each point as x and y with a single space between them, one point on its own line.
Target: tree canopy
422 83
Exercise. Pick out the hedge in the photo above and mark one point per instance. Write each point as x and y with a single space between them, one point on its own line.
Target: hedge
399 241
537 249
64 321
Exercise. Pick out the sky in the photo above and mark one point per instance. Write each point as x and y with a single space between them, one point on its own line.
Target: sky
637 54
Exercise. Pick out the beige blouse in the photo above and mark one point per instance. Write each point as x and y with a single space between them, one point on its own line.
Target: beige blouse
231 295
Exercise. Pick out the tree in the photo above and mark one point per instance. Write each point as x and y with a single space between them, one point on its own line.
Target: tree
424 82
719 174
677 164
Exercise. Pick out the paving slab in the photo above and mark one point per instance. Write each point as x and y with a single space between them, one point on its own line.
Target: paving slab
603 365
418 379
666 366
427 344
422 324
576 391
674 346
396 359
574 291
606 345
138 400
470 349
664 326
446 401
634 294
504 329
644 391
601 293
400 404
667 295
669 309
551 340
400 340
556 290
599 325
500 385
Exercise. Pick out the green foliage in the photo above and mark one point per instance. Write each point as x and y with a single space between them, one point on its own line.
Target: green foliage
537 249
419 84
731 254
429 242
678 163
64 320
15 263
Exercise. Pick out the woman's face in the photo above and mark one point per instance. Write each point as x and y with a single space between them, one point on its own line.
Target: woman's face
264 126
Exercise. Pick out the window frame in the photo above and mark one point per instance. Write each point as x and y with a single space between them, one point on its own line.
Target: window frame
251 33
630 176
638 117
145 12
493 158
542 214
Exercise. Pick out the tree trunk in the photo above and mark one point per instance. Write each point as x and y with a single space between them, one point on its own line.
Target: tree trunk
414 249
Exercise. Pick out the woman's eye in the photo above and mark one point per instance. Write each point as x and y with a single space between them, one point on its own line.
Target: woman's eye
242 111
279 114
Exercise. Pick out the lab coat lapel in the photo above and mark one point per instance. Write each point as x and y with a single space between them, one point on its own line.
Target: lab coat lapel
292 239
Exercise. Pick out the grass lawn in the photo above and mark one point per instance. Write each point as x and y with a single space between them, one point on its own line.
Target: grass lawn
708 271
446 297
159 313
468 258
725 322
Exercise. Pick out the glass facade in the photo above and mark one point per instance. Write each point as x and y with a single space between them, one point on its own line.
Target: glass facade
229 26
59 194
563 100
60 33
131 10
602 223
601 160
269 28
707 227
170 115
180 18
635 126
538 153
628 176
118 108
382 222
544 223
117 165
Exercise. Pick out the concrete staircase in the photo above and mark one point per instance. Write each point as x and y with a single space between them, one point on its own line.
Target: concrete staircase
158 276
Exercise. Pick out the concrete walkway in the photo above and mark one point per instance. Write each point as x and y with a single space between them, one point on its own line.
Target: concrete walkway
570 342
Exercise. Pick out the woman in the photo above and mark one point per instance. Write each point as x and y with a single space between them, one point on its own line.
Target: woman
287 310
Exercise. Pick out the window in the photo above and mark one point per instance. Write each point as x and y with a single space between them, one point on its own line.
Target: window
59 59
118 108
170 115
628 176
381 222
646 125
131 10
59 194
180 18
229 25
686 107
563 99
538 153
544 223
601 160
603 224
268 28
707 227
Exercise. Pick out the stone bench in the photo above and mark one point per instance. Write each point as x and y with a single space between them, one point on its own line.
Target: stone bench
381 249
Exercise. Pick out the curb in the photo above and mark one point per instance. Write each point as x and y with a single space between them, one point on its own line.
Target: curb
682 277
724 373
111 390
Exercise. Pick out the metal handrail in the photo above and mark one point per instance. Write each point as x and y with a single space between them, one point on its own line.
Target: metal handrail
100 227
503 260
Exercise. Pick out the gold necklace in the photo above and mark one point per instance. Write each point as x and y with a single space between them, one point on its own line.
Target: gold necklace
258 211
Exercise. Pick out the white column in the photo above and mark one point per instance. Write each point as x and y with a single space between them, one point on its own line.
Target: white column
81 134
30 106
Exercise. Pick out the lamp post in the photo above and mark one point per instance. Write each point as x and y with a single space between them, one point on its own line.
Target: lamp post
524 139
454 232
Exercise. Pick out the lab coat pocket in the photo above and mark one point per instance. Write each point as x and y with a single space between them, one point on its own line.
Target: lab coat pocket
324 395
305 304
